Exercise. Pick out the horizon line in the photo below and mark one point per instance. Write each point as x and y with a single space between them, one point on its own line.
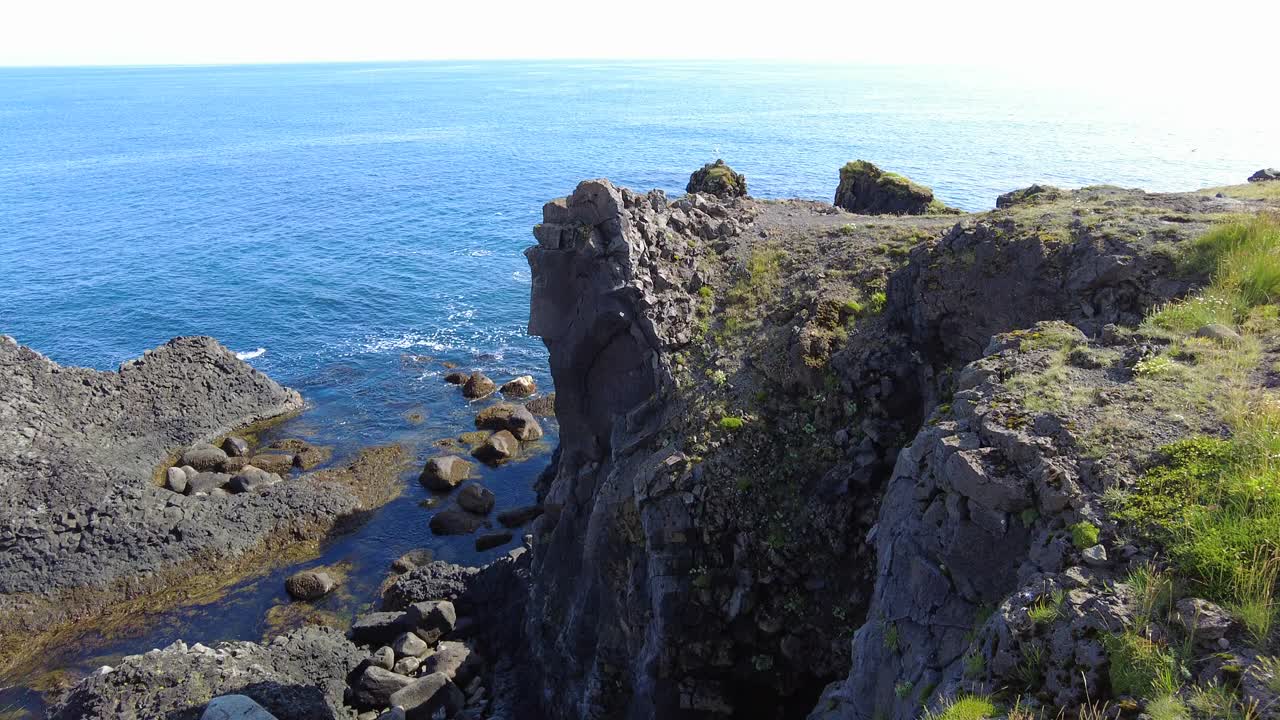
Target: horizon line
273 63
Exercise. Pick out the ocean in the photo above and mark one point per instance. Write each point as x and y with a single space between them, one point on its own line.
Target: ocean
338 224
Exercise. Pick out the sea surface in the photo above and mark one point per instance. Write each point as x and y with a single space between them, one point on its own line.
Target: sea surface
349 227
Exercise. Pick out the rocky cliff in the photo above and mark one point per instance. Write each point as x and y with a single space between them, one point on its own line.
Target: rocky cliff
86 530
785 427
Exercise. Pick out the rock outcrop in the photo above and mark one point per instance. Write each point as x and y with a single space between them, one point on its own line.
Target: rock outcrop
85 523
299 676
867 190
717 179
1265 175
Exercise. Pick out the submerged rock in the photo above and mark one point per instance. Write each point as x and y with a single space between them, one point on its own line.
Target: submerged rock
519 516
454 522
868 190
718 179
477 499
492 540
310 584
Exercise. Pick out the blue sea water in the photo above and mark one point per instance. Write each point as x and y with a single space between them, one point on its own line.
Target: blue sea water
345 217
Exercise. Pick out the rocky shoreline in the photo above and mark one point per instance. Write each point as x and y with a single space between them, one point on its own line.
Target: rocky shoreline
812 464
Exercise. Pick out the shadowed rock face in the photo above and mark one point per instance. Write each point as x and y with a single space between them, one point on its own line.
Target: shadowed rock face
717 179
868 190
83 525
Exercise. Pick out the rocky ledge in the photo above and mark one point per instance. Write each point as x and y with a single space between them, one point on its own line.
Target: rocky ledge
87 530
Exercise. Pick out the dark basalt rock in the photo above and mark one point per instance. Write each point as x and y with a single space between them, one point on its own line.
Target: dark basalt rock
717 179
868 190
1265 175
299 676
478 386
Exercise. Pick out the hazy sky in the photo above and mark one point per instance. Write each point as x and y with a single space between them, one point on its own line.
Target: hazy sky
1223 36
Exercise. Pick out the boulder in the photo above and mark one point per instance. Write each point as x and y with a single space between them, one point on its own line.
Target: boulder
410 645
1219 332
235 707
478 386
395 713
375 686
274 462
523 426
1094 556
494 417
207 482
454 522
407 665
1265 175
1203 620
424 696
384 657
311 456
717 179
233 465
521 387
251 478
380 628
310 584
456 378
492 540
203 457
445 472
175 480
544 406
498 447
430 617
868 190
477 499
455 660
519 516
235 447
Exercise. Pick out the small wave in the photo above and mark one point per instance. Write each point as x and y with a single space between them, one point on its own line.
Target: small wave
520 276
251 354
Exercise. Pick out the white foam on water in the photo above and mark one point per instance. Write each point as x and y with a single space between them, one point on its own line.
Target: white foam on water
251 354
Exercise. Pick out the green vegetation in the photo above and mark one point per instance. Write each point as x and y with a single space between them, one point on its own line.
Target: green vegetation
1047 607
731 423
966 707
1248 191
1084 534
1139 667
974 665
757 287
1167 707
891 636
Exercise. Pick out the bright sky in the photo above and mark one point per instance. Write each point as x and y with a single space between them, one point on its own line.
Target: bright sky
1121 36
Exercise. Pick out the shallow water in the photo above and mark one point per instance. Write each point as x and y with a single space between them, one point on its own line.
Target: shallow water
340 217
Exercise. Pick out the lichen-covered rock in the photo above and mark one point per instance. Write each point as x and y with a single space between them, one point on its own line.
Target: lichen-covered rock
1265 175
299 676
478 386
717 179
867 190
1029 195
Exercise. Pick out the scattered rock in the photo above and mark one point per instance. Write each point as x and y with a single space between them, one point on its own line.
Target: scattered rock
412 559
408 665
476 498
1094 556
717 179
523 426
457 661
498 447
310 584
868 190
1202 619
521 387
456 378
437 580
492 540
454 522
235 707
478 386
494 417
251 478
544 406
375 686
436 617
395 713
1219 332
204 457
175 480
519 516
207 482
384 657
235 447
445 472
380 628
1265 175
311 456
410 645
274 462
426 695
233 465
1035 193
